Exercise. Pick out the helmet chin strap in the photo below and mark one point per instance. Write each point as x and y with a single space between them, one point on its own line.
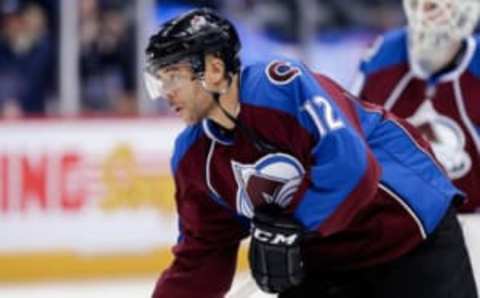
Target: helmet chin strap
216 97
259 143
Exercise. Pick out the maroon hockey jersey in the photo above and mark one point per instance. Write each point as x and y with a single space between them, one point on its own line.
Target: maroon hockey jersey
362 184
445 107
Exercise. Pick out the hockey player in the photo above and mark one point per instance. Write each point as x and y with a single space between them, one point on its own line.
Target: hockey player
429 73
341 199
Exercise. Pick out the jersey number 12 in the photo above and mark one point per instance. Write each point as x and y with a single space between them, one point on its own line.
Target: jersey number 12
322 113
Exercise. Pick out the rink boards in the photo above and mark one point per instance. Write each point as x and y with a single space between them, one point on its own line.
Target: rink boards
93 198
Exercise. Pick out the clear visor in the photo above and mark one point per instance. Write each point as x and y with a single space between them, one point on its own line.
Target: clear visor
162 82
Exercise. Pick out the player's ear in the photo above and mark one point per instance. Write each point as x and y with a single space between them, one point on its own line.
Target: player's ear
214 71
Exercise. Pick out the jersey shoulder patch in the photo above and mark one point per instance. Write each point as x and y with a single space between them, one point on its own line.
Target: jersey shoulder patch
282 72
282 84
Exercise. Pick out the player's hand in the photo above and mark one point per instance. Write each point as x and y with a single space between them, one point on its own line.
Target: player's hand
275 257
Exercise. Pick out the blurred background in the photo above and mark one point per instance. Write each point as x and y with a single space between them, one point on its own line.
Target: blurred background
70 58
86 194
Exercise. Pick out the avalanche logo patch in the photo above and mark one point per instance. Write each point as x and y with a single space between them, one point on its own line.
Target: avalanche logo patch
281 73
446 137
272 179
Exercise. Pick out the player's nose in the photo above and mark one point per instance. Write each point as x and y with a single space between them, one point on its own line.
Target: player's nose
170 96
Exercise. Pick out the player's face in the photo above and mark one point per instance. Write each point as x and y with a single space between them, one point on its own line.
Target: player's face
184 93
437 28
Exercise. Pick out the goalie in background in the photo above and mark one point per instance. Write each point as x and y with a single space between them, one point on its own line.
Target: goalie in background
342 199
429 73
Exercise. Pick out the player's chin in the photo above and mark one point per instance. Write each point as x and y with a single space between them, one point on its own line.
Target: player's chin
190 119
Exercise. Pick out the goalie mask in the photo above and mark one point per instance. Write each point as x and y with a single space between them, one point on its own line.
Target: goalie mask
437 27
183 42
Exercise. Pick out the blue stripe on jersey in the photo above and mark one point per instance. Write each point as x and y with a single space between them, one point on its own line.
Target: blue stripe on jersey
474 66
411 174
219 200
392 51
339 167
259 91
244 221
183 142
181 234
369 120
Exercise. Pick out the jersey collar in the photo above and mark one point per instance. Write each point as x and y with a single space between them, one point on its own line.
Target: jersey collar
216 133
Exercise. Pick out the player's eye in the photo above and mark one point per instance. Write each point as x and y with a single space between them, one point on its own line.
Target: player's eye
175 77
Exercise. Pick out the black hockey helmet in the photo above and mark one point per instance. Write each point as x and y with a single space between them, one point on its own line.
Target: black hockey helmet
191 36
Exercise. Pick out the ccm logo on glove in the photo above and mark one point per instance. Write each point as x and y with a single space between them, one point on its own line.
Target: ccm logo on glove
274 238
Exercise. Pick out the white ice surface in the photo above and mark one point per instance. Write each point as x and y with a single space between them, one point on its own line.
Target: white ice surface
118 288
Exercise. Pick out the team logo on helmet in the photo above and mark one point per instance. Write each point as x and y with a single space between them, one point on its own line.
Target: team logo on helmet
197 23
447 139
271 180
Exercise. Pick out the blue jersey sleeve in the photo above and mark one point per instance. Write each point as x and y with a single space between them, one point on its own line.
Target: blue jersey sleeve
340 155
386 52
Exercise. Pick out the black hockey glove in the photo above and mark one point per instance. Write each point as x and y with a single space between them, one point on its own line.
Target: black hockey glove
274 255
